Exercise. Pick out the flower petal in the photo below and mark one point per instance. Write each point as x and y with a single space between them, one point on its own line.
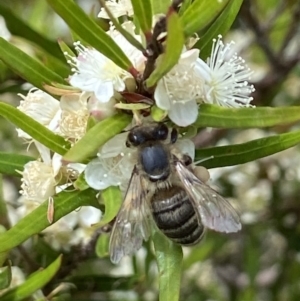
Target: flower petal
186 146
161 96
95 175
184 114
104 91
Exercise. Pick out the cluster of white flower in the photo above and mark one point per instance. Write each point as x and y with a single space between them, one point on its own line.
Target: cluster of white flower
43 178
99 84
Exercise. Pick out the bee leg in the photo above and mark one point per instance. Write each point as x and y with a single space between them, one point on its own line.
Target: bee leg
174 135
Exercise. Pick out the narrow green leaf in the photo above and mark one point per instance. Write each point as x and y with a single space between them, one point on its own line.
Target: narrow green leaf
19 28
37 131
36 221
143 12
260 117
27 67
102 245
245 152
112 199
160 6
35 282
184 6
10 163
174 44
89 31
65 49
132 106
5 277
96 137
220 27
3 255
169 261
199 14
4 221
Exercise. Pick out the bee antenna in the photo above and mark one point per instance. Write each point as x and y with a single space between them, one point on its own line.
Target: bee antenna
204 159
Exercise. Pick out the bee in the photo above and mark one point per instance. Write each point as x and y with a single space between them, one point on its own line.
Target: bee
164 188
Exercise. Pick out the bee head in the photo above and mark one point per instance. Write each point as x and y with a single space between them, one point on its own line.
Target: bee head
143 134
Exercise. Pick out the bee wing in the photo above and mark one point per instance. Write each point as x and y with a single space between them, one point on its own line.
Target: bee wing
132 224
216 213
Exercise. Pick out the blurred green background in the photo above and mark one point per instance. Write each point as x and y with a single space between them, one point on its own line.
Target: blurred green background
262 262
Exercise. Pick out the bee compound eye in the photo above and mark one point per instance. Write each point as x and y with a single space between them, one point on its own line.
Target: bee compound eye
134 139
162 132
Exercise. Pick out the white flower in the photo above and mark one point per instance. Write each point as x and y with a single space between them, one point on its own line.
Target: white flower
87 216
60 234
101 110
115 163
94 72
76 228
113 166
135 56
74 115
38 181
17 278
118 9
4 32
177 92
42 107
226 79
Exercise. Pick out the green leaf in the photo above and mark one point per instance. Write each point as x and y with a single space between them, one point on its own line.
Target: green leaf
184 6
89 31
36 221
96 137
246 152
35 282
160 6
199 14
19 28
132 106
158 114
3 255
10 163
260 117
169 261
5 277
27 67
65 49
102 245
143 12
112 199
33 128
174 44
220 27
80 183
3 213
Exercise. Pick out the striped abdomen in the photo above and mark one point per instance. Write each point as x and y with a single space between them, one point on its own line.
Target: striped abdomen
175 216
